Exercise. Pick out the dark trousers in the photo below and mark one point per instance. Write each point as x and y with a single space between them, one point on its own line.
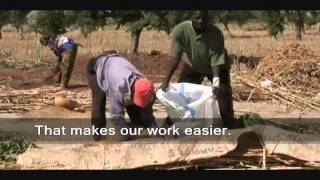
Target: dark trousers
67 66
142 117
138 116
98 117
224 97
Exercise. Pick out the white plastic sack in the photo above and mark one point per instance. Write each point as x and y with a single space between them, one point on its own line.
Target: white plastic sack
190 105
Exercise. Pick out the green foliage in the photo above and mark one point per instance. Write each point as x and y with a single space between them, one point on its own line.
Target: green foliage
7 64
9 149
273 20
4 18
57 22
312 17
239 17
88 21
50 23
18 18
136 21
172 18
131 19
158 20
251 119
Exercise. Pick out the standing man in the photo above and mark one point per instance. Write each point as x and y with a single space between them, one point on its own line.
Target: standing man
66 51
115 77
206 56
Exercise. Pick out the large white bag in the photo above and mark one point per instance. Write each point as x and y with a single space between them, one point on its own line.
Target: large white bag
190 105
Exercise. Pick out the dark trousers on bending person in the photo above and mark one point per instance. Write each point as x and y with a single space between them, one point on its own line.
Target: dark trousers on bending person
139 116
66 66
224 97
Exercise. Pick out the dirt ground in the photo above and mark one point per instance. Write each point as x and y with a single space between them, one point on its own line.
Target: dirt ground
152 66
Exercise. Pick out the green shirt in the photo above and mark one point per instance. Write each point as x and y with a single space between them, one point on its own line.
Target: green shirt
202 50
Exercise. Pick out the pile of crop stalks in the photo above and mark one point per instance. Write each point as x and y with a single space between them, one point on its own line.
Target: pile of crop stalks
293 67
277 93
292 74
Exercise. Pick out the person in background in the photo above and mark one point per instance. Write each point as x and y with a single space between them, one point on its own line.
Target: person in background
66 51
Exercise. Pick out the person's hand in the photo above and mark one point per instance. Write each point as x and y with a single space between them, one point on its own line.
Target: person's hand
164 86
215 90
215 85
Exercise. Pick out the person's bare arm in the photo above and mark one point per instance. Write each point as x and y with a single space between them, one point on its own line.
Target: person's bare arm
217 61
175 53
215 78
170 71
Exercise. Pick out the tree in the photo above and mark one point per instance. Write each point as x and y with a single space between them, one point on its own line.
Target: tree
18 19
136 21
227 17
296 17
313 18
51 23
172 18
4 19
88 21
274 21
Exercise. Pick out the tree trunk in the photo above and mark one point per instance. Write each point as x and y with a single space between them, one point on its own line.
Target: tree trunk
299 26
0 33
135 36
275 37
21 33
227 28
298 32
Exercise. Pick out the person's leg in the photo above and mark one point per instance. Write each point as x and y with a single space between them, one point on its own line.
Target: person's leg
134 114
58 71
68 62
224 98
141 116
147 117
225 102
59 77
98 117
64 70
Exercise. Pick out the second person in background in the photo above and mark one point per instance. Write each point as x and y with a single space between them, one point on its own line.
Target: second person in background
66 51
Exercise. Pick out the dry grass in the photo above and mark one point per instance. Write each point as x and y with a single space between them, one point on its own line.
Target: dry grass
259 43
108 38
247 41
